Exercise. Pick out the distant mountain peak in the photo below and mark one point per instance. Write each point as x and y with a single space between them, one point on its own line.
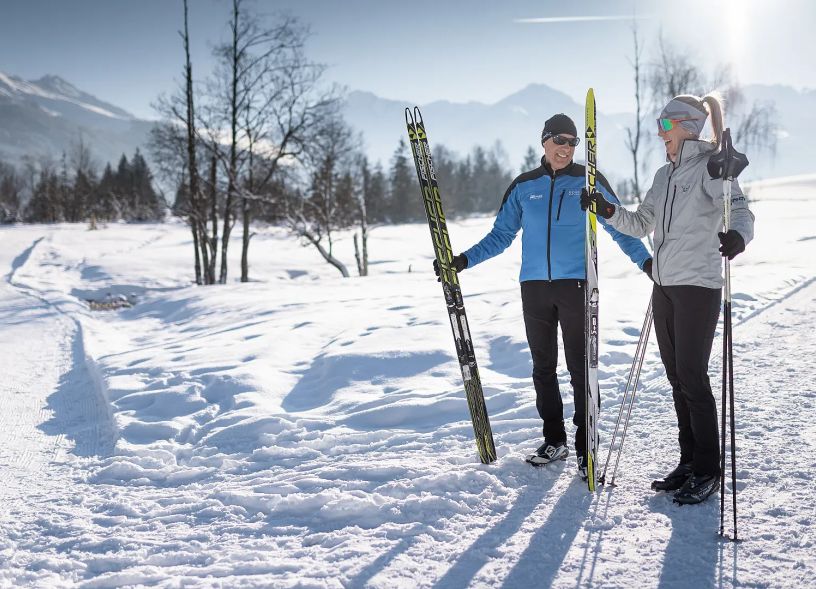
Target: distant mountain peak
43 118
536 94
51 90
59 85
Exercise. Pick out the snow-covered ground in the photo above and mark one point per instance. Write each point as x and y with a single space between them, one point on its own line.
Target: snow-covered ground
305 430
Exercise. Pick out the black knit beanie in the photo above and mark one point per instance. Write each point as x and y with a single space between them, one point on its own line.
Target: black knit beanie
556 125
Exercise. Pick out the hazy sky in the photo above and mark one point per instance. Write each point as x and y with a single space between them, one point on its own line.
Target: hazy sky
128 51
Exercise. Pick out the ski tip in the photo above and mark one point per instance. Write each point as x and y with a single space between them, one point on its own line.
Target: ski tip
590 105
409 119
418 116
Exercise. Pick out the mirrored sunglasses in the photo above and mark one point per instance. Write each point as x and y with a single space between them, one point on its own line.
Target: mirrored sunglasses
561 140
667 125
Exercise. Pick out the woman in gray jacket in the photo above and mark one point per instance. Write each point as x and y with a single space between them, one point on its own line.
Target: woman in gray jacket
684 208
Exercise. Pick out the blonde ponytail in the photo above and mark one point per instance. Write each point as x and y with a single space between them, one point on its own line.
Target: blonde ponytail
713 102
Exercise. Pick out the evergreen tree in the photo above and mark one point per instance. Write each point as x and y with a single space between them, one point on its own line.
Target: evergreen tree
494 179
45 203
106 203
79 201
122 183
11 186
181 204
531 160
449 181
375 193
146 202
467 196
404 200
345 201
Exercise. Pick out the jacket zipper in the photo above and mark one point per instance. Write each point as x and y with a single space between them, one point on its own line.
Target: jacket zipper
671 209
668 185
560 202
549 229
665 231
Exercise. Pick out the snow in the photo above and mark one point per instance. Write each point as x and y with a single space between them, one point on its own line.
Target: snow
53 88
305 430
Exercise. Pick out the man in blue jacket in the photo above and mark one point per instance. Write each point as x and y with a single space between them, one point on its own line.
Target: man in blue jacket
545 204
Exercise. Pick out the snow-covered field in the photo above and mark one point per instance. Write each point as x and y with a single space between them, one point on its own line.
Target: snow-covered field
305 430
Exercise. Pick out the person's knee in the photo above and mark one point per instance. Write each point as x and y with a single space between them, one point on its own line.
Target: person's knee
544 371
692 379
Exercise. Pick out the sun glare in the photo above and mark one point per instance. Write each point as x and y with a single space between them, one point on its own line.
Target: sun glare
736 20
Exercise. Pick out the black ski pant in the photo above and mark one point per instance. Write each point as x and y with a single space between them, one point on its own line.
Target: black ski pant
685 319
546 304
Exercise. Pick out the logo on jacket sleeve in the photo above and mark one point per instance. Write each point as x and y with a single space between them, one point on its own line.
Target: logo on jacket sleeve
536 196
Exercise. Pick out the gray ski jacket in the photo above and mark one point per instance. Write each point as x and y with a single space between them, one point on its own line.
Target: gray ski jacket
684 207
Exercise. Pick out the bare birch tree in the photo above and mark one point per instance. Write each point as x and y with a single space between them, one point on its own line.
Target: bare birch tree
266 100
676 72
635 134
327 204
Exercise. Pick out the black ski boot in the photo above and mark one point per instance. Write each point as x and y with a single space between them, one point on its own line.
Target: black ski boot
582 468
697 489
547 453
674 480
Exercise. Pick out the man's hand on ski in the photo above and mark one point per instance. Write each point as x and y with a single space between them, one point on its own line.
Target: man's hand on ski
647 268
598 202
458 263
731 243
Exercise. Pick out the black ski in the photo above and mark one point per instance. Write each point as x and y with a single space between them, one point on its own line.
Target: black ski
450 285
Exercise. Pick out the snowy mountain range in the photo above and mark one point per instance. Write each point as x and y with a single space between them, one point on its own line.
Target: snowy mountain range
43 118
517 121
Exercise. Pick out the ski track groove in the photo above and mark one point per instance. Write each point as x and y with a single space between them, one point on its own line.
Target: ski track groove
46 418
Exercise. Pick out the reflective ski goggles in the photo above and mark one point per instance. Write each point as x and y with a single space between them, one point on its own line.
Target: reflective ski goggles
667 125
561 140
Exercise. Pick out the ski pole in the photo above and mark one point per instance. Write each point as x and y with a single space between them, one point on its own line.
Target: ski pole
728 374
628 400
727 164
726 360
647 325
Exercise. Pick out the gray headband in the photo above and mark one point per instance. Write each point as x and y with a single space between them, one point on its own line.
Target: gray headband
678 110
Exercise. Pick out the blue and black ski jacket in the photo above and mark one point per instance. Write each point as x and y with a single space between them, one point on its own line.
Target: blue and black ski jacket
547 207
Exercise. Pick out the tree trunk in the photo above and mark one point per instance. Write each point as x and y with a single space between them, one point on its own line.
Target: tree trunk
246 214
195 212
636 145
357 256
364 235
233 158
202 244
326 254
222 277
245 241
214 218
365 249
195 248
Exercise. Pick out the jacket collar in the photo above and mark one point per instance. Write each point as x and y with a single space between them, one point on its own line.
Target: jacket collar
691 149
546 165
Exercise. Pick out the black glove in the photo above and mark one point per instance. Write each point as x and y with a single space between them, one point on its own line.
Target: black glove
602 207
459 263
731 243
647 267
